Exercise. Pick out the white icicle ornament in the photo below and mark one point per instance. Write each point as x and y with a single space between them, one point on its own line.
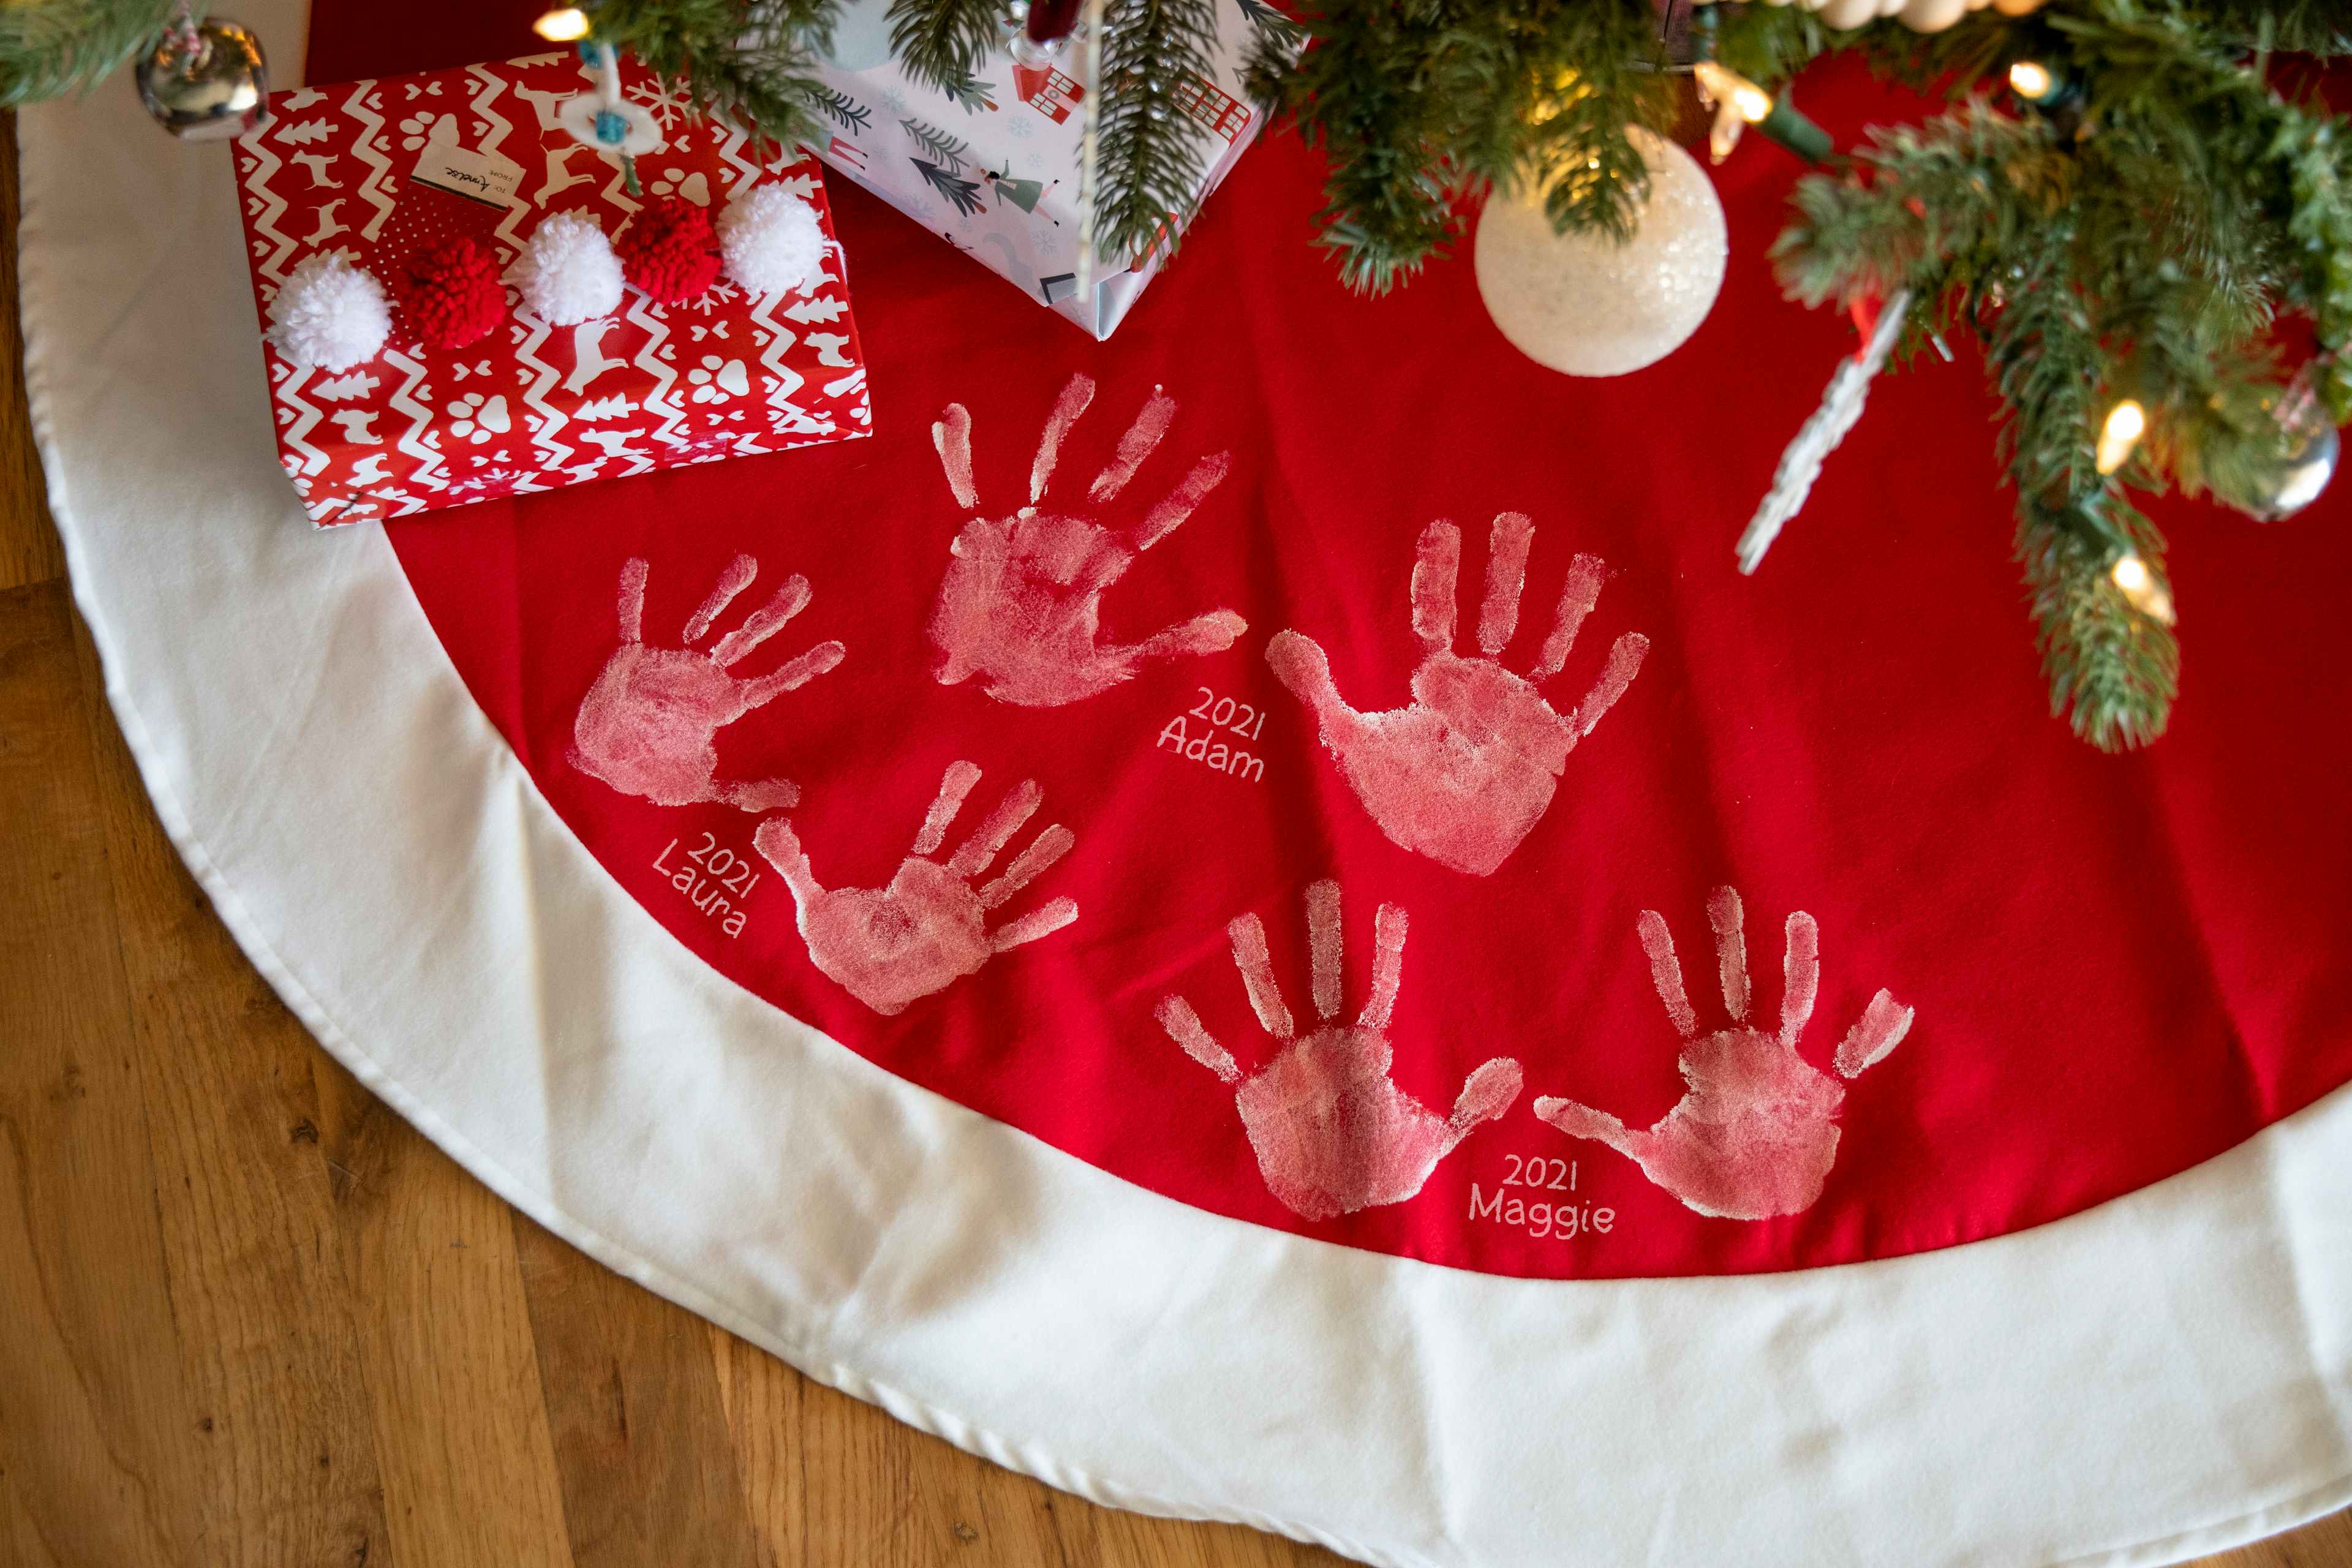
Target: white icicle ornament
771 241
568 273
1801 465
330 313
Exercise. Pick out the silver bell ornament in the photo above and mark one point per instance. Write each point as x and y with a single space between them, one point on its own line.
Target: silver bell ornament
205 80
2291 475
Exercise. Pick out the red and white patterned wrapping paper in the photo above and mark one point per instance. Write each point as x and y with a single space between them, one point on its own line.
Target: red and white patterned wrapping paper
532 406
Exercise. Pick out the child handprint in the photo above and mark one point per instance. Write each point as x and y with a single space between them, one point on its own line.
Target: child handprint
1021 605
1756 1135
1332 1135
647 725
892 946
1465 773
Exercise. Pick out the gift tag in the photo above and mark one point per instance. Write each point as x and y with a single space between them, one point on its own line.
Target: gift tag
462 171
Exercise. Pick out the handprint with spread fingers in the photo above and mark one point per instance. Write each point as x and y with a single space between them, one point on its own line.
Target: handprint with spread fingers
649 725
1466 770
1756 1133
1331 1133
1021 607
892 946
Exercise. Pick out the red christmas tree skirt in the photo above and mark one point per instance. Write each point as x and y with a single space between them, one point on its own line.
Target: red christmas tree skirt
1054 916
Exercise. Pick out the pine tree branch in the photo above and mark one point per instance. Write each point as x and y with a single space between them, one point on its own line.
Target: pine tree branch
2113 667
2288 26
1990 220
750 63
1574 76
1422 107
941 42
55 46
1275 26
1151 157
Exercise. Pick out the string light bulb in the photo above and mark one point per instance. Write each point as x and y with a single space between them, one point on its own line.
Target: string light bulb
2031 80
2140 587
564 25
2127 421
1736 101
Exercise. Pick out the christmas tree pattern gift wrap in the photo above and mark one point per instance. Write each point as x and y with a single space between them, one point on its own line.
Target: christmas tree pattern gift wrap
993 167
383 173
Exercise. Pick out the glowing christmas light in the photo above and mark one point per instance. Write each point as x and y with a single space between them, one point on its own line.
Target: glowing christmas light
564 25
2125 422
2138 584
1736 101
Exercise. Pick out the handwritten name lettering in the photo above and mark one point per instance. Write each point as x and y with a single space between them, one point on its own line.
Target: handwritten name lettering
1205 742
1542 1218
714 879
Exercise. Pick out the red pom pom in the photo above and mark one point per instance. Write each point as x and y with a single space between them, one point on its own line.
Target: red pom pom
670 252
452 295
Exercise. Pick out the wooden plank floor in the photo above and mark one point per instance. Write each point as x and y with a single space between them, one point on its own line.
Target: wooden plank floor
248 1316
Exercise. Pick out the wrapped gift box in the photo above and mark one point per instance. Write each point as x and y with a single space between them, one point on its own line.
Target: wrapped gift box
993 167
370 169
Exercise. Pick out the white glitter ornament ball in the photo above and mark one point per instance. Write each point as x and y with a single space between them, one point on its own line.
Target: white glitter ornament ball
1585 305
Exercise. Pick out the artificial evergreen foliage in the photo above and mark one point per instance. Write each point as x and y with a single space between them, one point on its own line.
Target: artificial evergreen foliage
942 42
2141 243
1150 156
53 47
1419 105
2140 234
748 62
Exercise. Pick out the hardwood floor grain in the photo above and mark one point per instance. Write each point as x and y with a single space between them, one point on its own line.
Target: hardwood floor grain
96 1421
29 552
247 1315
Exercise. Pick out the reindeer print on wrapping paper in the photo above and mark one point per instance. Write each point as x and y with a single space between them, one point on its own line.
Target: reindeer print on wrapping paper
1756 1133
1468 770
892 946
1331 1133
1020 608
649 726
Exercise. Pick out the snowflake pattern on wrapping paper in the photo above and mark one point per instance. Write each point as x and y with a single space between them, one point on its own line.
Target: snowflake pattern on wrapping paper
497 479
720 297
670 103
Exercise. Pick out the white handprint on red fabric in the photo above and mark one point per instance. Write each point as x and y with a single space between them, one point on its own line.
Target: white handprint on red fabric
1021 605
647 725
892 946
1756 1133
1466 772
1331 1133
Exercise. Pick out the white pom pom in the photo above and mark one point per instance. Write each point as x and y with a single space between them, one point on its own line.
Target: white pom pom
568 273
771 241
330 313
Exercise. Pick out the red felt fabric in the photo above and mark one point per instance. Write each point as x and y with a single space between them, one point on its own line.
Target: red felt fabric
2121 965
